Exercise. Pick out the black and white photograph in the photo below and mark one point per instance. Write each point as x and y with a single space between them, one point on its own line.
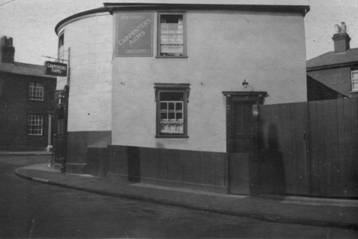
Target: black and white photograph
179 119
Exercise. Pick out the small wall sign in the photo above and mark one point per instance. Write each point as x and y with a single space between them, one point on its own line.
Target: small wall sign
56 68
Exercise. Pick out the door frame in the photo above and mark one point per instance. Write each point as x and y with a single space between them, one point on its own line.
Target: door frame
232 97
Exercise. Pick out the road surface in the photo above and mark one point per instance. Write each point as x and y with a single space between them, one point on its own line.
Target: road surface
31 209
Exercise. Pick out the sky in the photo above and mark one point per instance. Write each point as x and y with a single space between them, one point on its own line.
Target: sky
31 24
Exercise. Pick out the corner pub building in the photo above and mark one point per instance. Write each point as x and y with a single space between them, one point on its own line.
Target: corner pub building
166 92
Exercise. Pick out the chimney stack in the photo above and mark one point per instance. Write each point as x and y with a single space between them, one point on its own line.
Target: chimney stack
7 51
341 38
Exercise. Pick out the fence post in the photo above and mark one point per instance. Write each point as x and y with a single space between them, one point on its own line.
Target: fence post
307 138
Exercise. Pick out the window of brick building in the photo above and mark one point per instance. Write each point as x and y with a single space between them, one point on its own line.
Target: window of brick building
354 78
36 91
35 124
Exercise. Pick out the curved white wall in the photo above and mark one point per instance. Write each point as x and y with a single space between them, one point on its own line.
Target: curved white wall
90 39
224 48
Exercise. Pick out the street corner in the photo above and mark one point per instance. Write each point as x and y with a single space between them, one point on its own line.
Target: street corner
36 172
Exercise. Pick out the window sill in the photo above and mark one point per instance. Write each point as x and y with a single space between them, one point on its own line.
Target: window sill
172 136
179 57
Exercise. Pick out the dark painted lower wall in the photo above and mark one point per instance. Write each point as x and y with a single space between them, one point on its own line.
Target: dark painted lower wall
78 142
236 173
190 169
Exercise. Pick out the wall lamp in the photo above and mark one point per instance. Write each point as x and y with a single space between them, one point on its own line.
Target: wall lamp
245 84
255 110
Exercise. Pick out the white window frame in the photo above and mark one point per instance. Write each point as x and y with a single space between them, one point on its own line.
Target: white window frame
35 124
354 82
36 91
159 36
177 122
160 121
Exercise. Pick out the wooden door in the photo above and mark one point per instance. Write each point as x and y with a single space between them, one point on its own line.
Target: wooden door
242 125
243 136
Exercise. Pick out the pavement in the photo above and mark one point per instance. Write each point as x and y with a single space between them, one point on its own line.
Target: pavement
24 153
340 213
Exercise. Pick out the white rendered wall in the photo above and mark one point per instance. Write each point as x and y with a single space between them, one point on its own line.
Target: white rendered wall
224 49
90 39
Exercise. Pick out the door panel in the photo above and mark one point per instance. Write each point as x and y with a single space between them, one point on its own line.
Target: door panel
242 145
243 128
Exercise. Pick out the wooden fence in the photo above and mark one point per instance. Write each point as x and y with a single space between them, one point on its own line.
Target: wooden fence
309 148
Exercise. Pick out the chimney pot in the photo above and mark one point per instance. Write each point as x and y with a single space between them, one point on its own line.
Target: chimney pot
341 38
7 50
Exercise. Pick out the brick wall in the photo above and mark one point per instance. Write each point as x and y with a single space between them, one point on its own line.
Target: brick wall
14 107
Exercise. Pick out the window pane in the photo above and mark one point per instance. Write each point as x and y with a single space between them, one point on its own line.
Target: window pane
163 105
163 115
172 96
171 106
172 35
35 124
355 85
171 116
179 105
174 49
171 18
355 80
36 91
179 116
175 127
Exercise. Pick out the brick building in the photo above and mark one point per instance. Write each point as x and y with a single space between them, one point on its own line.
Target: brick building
334 74
27 102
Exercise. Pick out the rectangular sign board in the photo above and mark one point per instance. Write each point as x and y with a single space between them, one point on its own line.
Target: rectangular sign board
134 33
56 68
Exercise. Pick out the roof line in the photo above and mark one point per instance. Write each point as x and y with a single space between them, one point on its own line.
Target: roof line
28 74
79 14
338 65
303 9
110 7
329 87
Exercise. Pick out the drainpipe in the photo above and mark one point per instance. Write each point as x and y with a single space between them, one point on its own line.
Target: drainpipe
49 134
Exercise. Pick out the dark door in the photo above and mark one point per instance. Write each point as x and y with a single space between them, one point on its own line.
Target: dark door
242 125
242 146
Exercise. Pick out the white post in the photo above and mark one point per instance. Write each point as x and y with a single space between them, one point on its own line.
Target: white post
49 133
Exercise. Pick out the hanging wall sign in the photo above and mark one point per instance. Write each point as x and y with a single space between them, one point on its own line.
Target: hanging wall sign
134 33
56 68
